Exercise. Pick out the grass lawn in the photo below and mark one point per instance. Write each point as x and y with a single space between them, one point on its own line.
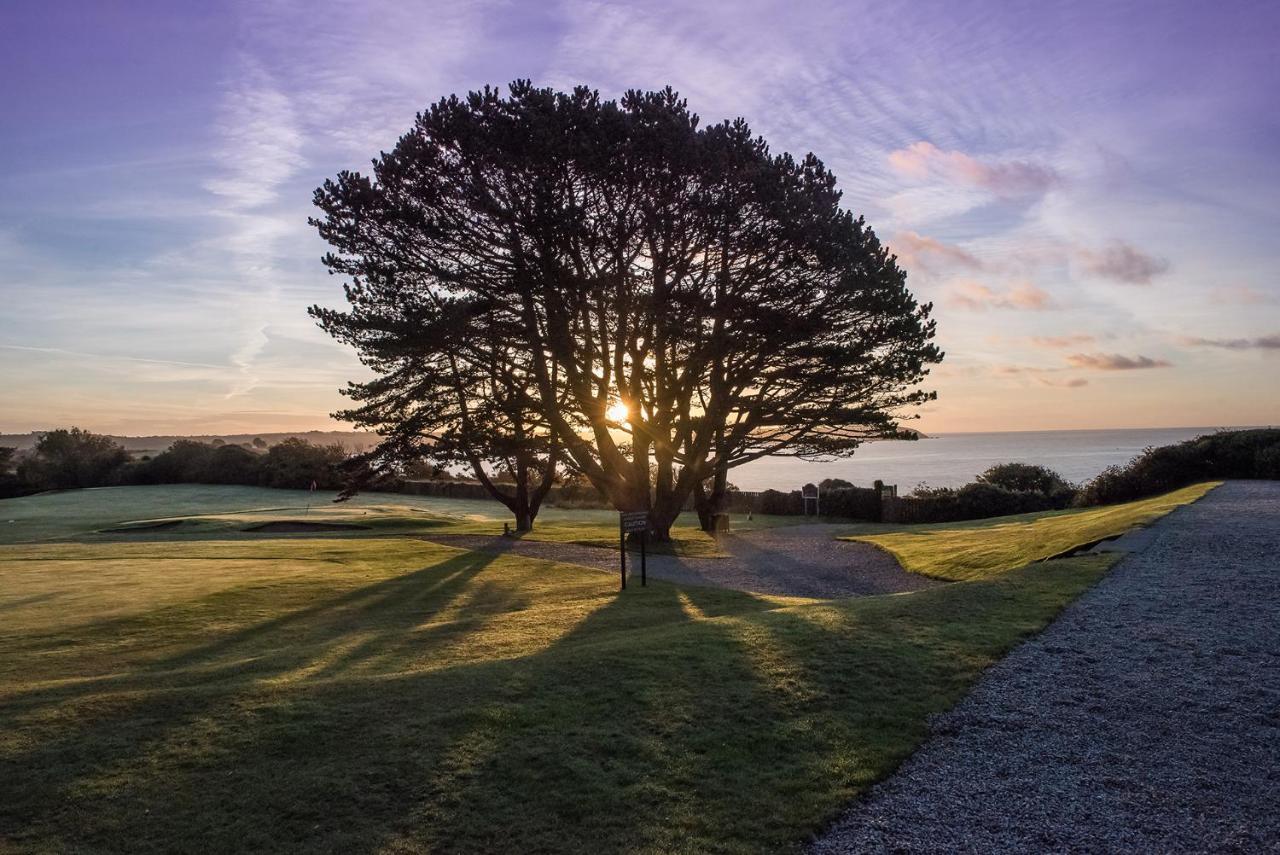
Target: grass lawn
216 690
359 694
978 549
223 511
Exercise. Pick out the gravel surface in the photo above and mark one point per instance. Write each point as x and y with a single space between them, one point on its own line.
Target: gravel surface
1145 719
801 560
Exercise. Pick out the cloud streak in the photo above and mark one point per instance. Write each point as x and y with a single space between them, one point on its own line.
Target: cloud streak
930 254
1266 342
1008 179
975 297
1114 362
1123 262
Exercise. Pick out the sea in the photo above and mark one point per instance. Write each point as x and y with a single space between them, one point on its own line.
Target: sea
951 460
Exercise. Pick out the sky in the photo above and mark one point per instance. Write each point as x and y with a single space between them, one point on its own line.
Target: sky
1088 192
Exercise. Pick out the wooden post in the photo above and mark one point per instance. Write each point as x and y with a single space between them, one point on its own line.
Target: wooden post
644 539
622 553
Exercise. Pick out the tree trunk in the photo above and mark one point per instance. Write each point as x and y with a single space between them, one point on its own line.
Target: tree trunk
702 505
524 518
661 516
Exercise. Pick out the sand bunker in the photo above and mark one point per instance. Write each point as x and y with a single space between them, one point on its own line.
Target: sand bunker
302 525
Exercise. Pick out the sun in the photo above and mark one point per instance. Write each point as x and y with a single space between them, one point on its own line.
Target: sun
617 412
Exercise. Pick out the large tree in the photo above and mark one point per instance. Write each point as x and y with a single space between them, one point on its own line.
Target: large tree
449 387
633 261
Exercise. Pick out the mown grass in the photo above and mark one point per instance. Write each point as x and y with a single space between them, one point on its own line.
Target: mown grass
225 511
345 694
979 549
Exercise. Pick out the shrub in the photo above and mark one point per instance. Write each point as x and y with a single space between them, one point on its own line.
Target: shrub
859 503
1029 478
73 458
296 463
186 461
1227 454
973 501
780 503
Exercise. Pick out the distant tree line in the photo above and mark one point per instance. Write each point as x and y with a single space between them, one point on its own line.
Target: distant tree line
74 458
1017 488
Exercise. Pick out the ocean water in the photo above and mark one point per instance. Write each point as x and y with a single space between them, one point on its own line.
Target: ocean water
950 460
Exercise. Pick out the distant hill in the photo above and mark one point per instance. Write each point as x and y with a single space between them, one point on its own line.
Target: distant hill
353 440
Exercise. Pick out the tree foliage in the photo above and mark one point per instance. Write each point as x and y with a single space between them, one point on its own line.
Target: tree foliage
1026 477
67 458
600 254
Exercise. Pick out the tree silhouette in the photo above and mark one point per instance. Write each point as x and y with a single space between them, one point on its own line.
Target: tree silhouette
622 256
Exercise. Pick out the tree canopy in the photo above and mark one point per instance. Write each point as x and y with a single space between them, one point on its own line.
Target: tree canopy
560 275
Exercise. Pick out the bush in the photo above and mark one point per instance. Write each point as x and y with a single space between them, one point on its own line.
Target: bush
780 503
1227 454
10 484
859 503
65 459
297 464
186 461
973 501
1029 478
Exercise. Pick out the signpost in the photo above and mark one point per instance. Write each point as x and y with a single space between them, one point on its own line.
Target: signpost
629 522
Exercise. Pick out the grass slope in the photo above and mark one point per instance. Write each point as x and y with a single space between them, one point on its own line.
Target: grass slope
348 694
979 549
224 511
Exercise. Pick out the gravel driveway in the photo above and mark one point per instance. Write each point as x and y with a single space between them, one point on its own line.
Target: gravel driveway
800 560
1145 719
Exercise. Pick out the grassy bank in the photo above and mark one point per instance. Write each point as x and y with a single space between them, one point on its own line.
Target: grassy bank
359 694
205 511
979 549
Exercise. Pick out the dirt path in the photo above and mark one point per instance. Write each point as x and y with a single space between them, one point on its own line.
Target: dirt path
802 560
1145 719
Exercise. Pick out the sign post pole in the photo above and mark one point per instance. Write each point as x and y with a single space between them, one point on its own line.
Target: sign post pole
633 522
644 540
622 552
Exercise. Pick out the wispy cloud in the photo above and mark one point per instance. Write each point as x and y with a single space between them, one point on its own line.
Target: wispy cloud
1122 262
1266 342
261 144
1057 342
977 297
1043 376
1062 382
930 254
1005 179
1114 362
1242 295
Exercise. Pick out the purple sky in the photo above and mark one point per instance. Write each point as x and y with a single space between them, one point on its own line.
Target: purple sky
1089 192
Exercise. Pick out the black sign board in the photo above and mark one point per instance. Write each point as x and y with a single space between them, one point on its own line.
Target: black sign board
633 522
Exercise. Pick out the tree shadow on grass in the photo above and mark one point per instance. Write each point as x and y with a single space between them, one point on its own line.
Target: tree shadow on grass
662 719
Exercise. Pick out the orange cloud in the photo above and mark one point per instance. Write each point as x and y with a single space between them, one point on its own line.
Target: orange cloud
1061 341
921 160
1043 376
974 296
917 250
1114 362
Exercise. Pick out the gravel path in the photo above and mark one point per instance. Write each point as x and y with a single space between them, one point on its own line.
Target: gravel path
1145 719
800 560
